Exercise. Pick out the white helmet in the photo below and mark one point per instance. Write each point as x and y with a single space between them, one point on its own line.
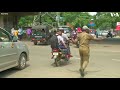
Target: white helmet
85 27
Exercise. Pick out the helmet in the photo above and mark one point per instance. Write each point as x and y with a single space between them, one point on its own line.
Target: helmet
79 29
85 27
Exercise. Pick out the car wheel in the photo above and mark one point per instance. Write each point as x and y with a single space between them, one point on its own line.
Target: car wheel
35 42
22 62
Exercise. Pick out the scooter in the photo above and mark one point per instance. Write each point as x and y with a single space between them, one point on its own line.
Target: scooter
109 35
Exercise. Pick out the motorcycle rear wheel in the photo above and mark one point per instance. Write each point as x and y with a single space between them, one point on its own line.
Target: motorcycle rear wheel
57 61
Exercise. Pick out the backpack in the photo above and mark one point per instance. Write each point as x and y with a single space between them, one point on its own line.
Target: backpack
54 42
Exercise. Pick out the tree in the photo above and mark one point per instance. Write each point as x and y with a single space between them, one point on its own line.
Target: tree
105 20
26 21
77 18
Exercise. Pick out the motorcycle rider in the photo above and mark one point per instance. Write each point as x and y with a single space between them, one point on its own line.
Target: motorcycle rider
73 34
57 41
79 31
66 40
61 41
109 34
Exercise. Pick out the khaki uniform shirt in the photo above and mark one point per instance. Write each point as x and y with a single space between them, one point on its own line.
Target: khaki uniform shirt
84 39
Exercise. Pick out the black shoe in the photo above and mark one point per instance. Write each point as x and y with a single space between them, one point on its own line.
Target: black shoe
82 72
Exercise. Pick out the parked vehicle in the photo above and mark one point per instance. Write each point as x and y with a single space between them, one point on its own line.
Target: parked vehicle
104 33
13 53
108 34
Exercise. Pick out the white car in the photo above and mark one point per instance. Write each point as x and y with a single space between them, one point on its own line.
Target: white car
13 53
104 33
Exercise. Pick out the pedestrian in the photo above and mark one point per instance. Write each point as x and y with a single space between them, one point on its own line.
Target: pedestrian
96 33
84 38
29 32
15 34
12 32
20 33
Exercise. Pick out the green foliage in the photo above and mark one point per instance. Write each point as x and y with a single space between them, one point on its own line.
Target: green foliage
103 20
26 21
106 20
77 18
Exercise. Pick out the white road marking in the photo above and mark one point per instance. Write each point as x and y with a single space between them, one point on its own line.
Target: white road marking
75 58
116 60
106 51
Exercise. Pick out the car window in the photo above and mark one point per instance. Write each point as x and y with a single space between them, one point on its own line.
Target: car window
4 37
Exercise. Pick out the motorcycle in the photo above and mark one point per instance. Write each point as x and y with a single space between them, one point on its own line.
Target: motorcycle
109 35
74 36
58 55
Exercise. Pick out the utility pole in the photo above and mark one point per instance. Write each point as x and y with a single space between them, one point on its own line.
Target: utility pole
58 19
40 18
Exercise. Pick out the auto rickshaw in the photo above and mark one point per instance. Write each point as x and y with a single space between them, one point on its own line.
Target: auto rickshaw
40 34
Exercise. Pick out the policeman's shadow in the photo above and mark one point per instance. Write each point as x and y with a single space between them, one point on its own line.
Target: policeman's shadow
86 72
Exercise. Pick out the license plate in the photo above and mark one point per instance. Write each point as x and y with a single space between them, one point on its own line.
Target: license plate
38 36
55 53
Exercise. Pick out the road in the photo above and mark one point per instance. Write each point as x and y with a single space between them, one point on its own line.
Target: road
104 62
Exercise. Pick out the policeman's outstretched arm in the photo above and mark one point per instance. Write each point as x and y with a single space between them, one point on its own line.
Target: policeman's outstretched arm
95 39
99 39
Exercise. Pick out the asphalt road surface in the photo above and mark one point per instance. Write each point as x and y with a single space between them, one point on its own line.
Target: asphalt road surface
104 62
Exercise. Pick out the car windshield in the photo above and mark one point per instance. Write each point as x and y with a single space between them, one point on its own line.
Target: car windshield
66 29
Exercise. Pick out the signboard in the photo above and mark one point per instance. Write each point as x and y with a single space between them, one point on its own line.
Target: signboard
118 23
117 27
4 13
91 24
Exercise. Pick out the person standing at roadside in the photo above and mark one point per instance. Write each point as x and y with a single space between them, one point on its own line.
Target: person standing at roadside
20 33
29 32
15 34
12 32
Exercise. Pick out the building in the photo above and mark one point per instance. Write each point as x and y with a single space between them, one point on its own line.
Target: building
10 19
